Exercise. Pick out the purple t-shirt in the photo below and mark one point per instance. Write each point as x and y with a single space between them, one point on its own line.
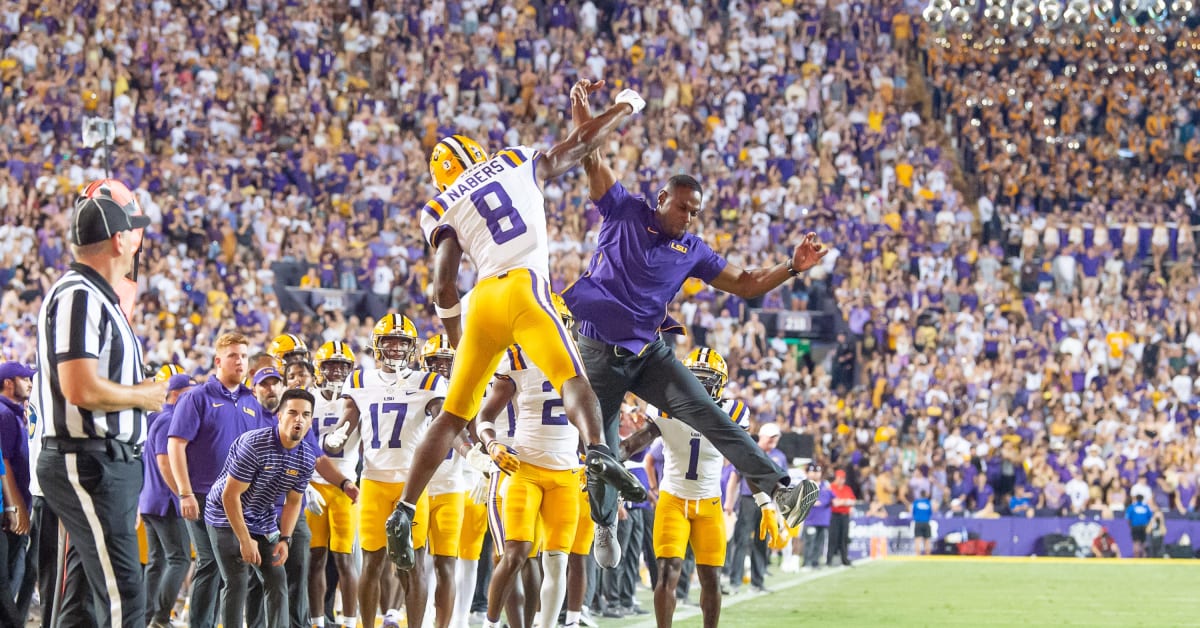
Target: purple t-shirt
210 418
634 273
156 498
821 511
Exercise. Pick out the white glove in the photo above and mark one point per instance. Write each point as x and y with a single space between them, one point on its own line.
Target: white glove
630 97
479 492
480 461
316 503
337 438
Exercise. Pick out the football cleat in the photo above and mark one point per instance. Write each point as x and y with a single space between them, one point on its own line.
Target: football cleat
602 467
399 537
606 547
796 501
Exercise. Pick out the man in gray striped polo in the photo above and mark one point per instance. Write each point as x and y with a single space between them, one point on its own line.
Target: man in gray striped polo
247 536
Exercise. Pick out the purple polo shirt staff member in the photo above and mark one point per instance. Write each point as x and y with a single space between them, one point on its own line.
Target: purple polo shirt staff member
204 425
816 526
643 256
243 528
169 553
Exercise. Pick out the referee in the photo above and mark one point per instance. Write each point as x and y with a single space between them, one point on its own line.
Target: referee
92 400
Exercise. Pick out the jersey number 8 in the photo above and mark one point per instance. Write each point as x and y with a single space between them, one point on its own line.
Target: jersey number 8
494 205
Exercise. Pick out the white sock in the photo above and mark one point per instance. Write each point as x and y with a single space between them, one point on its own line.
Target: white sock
350 622
554 587
572 618
465 573
317 621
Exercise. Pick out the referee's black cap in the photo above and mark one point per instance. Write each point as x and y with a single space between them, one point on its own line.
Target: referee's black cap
104 211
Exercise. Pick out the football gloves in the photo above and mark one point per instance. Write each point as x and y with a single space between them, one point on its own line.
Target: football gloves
773 528
504 456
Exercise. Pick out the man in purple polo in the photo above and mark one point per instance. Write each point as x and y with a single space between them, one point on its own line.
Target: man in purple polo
16 384
816 525
169 552
204 425
643 256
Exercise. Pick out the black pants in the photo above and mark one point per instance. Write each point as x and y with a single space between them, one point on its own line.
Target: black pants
296 569
237 575
839 538
43 546
814 544
659 378
8 605
169 559
745 541
95 496
206 576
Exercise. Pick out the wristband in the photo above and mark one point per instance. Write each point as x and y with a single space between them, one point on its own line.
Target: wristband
449 312
343 484
762 499
792 271
186 495
286 539
486 425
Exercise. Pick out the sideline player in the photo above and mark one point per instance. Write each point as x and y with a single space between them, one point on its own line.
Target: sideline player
389 406
689 502
493 211
643 256
544 482
333 529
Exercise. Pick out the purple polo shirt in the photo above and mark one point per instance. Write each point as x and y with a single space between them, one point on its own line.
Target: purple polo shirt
156 498
634 273
821 511
14 445
259 459
210 418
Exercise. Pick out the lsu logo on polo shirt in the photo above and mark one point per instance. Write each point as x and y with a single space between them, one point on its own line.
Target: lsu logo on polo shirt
250 412
679 247
293 472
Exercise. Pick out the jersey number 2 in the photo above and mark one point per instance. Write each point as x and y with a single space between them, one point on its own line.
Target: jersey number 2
552 410
494 205
398 411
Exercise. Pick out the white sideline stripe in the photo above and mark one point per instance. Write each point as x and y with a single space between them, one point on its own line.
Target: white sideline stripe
89 509
727 601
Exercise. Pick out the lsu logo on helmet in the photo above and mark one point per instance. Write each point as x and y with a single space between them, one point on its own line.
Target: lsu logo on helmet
438 355
393 341
166 371
287 348
709 367
453 156
334 361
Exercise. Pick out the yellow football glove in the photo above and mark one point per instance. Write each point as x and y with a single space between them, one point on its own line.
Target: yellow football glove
773 528
504 456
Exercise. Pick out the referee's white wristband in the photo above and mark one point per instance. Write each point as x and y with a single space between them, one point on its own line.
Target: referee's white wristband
449 312
762 499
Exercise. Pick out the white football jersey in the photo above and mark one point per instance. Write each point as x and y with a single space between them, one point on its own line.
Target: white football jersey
392 418
691 464
544 436
326 415
449 477
497 211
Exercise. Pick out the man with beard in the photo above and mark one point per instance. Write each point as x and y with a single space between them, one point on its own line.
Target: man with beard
243 527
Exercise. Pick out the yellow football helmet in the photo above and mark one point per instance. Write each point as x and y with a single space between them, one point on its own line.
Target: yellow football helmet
334 361
401 334
287 348
564 312
453 156
165 372
437 355
709 367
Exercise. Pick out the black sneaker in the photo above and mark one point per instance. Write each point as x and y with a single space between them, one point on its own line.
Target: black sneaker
795 501
399 537
603 467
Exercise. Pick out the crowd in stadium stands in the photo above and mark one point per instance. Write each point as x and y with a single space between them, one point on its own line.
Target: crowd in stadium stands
1013 261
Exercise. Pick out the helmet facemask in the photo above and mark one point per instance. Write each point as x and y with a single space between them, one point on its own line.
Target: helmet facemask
439 363
394 352
712 381
333 374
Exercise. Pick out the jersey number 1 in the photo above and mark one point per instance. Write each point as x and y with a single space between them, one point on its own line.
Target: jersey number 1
494 205
693 460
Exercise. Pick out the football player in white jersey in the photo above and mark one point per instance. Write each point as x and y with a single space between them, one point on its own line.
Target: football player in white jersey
689 497
335 526
493 210
389 407
544 465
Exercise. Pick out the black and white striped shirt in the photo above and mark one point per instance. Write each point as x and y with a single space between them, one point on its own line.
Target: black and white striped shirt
81 317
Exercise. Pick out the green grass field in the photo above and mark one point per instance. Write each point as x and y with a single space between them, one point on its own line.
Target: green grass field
968 592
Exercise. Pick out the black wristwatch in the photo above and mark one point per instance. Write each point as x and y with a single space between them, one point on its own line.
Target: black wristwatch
286 539
792 271
343 484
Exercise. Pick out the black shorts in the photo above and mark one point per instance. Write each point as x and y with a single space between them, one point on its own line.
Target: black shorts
1138 533
922 530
